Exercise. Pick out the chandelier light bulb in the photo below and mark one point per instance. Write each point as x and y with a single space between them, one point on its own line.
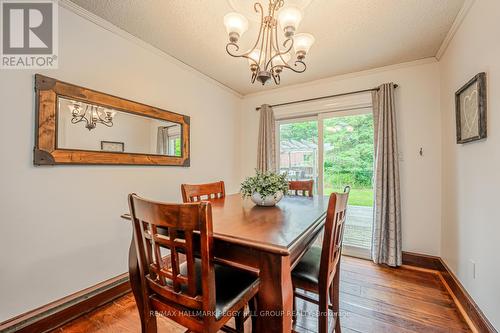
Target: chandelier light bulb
94 114
110 114
75 109
289 18
279 62
302 43
236 25
255 55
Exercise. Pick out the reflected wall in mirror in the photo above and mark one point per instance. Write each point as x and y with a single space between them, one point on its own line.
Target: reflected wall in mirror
85 126
77 125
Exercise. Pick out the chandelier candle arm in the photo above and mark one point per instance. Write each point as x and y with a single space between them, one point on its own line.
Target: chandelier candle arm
265 58
258 9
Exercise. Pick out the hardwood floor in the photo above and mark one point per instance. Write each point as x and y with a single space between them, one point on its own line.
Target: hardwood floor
372 299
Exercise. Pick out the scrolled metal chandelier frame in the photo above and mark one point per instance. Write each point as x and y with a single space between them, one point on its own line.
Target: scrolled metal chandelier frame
91 115
267 58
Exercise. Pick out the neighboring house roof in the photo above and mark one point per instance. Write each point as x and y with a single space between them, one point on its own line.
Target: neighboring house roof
300 146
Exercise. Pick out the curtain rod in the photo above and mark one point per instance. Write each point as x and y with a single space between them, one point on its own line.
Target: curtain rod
323 97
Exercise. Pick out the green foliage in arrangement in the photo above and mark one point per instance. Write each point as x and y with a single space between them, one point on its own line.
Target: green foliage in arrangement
265 183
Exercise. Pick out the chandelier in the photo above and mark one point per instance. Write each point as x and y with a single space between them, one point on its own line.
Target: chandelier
267 59
91 115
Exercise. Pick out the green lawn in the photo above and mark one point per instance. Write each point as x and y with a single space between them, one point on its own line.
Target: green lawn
357 196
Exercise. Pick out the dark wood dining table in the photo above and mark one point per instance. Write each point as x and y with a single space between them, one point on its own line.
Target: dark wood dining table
268 240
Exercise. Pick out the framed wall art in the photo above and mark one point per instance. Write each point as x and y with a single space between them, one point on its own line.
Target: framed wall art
113 146
470 109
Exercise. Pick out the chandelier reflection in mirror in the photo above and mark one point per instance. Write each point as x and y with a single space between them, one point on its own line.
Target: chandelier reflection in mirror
267 59
91 115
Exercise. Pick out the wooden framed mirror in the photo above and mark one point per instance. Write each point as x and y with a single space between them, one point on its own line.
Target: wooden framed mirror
76 125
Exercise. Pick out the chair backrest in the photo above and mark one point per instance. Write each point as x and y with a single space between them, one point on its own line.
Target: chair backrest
185 228
301 187
195 193
334 232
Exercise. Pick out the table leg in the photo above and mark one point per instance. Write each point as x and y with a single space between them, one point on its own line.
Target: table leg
275 298
148 322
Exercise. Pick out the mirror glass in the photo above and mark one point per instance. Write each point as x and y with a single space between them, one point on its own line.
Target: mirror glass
83 126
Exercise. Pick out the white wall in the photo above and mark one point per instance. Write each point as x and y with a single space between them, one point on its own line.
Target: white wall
51 245
60 230
471 172
417 102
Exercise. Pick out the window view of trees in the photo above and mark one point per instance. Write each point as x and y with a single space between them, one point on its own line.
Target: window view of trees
348 153
350 161
174 146
178 151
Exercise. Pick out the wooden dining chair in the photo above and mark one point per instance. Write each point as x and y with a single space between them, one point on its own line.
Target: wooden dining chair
319 269
195 292
198 192
209 191
301 187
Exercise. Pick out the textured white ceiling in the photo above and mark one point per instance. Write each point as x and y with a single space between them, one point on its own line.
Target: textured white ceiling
351 35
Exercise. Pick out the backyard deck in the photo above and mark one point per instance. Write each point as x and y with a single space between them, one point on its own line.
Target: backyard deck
358 229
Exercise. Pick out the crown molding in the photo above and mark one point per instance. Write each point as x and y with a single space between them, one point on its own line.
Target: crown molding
334 78
99 21
454 28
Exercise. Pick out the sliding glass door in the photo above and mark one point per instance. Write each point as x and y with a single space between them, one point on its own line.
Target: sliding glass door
348 161
335 149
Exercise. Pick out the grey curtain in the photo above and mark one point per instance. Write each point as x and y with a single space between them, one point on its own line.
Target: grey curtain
266 150
162 141
386 241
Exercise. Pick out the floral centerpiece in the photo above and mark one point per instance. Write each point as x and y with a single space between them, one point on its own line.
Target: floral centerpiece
265 188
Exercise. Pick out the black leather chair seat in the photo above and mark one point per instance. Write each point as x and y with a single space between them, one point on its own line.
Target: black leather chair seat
308 267
230 285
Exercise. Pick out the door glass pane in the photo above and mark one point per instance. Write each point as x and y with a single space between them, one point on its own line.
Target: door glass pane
298 145
348 160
